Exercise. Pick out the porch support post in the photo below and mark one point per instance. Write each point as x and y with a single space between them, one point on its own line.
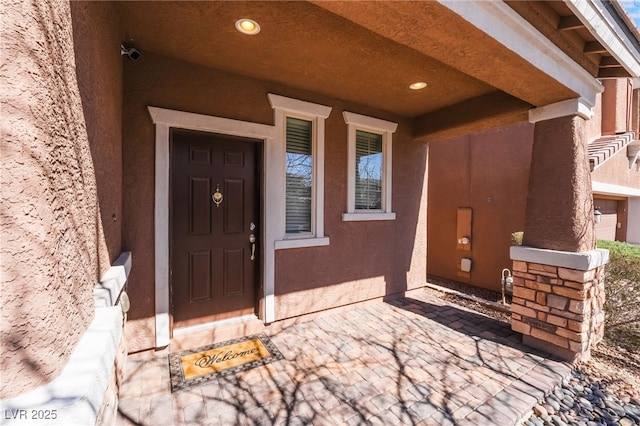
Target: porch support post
558 300
559 212
558 291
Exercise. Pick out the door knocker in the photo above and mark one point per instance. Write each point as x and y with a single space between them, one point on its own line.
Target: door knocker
217 196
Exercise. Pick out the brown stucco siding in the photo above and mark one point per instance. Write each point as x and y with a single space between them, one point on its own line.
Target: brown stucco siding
99 69
559 213
616 171
364 259
49 220
488 172
613 112
381 256
616 105
593 127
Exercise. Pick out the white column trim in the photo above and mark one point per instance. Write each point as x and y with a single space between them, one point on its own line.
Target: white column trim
506 26
109 289
76 394
576 106
164 119
81 388
584 261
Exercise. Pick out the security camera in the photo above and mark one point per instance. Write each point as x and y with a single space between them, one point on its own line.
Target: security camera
132 53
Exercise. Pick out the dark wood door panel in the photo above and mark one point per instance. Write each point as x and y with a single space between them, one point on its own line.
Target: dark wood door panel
234 272
212 274
199 206
234 220
200 276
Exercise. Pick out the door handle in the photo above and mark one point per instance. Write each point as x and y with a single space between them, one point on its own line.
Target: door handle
252 240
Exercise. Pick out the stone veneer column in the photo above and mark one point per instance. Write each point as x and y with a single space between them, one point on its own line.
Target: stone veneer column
558 291
558 300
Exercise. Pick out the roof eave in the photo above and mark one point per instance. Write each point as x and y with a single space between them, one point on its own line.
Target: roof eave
601 23
506 26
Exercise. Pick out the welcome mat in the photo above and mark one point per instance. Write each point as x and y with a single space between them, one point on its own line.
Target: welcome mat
197 366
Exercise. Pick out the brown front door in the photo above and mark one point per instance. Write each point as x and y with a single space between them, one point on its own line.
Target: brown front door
214 213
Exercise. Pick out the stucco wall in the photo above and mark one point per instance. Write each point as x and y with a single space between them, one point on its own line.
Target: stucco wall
488 172
616 171
613 114
365 259
559 213
97 39
376 258
593 127
50 224
616 105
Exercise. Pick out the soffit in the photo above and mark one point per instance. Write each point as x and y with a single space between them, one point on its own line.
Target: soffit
368 52
437 32
300 45
365 52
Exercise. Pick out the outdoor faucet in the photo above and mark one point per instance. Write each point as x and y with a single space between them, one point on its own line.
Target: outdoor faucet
507 281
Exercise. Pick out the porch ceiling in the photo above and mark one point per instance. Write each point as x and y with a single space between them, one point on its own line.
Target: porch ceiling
364 52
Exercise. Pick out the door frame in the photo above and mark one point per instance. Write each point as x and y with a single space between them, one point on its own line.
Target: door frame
271 189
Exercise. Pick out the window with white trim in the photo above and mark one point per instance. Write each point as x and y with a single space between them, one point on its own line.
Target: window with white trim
300 124
299 190
369 168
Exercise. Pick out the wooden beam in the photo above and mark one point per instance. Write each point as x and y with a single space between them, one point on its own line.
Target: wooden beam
593 47
609 62
609 67
568 23
613 72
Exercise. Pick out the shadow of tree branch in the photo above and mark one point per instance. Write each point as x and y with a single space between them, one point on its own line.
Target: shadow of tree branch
408 361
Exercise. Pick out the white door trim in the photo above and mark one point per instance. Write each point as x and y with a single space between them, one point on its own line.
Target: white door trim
164 120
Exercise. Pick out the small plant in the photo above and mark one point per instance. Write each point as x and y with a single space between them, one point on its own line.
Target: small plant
516 238
622 288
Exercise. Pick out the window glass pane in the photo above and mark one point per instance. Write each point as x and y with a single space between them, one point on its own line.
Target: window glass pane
299 175
368 171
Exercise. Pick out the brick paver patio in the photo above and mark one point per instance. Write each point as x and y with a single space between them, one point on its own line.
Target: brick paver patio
410 361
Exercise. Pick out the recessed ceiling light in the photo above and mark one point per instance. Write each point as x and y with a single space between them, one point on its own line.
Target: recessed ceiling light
418 85
247 26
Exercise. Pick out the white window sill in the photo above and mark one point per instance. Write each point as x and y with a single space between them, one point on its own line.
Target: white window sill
302 242
352 217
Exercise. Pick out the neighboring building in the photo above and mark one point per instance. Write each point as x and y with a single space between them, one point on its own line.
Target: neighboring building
214 174
615 164
486 174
